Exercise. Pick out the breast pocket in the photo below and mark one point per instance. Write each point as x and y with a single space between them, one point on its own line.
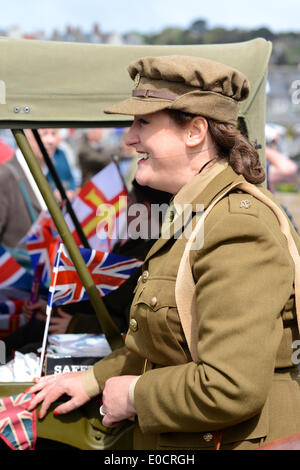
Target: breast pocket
155 319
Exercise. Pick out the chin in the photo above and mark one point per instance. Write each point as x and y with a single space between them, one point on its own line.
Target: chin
142 178
151 184
145 180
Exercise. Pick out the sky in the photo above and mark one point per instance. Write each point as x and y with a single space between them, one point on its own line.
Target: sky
149 16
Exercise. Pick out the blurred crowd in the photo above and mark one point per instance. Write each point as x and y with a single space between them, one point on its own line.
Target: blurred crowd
86 151
77 155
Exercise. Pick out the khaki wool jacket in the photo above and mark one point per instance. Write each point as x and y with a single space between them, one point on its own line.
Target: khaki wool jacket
244 383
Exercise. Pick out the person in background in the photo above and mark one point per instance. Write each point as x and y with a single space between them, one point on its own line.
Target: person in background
19 205
51 140
68 146
93 154
280 167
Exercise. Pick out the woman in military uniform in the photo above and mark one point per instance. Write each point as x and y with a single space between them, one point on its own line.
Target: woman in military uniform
209 364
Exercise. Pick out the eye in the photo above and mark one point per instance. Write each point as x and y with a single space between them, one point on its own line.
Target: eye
143 121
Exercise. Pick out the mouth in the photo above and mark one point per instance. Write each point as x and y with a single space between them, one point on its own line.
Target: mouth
143 157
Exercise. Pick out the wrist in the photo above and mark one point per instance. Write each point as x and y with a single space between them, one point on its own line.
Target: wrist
131 390
90 383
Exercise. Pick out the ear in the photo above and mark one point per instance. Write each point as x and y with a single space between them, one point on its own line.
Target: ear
196 131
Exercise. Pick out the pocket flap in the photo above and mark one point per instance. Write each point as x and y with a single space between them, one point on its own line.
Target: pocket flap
157 293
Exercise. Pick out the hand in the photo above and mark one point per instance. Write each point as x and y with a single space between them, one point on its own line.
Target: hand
59 322
29 309
49 388
115 399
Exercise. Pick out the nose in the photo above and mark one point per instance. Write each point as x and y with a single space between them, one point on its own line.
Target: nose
50 139
131 137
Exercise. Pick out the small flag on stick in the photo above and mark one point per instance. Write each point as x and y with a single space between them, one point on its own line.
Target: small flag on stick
49 304
108 270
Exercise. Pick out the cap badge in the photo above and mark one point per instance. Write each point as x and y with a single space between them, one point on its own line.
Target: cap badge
137 80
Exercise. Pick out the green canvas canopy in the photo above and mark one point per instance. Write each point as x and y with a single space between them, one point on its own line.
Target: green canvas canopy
47 83
51 84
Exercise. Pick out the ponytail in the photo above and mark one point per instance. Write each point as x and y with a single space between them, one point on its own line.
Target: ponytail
236 148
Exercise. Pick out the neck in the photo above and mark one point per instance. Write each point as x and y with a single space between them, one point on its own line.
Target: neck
203 155
204 159
209 163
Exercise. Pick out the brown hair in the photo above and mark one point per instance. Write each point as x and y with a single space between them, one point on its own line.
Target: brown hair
242 156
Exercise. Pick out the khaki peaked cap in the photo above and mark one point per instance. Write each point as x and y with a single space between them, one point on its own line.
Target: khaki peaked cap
190 84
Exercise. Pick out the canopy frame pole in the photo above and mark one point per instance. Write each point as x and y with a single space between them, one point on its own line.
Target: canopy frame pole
109 328
61 189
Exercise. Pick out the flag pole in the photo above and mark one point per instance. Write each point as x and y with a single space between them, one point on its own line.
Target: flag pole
49 305
109 328
44 344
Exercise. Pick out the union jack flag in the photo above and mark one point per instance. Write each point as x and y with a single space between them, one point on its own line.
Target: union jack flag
12 274
108 271
17 425
42 242
11 306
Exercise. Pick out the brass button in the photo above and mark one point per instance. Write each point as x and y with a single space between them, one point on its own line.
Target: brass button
153 301
145 276
208 436
133 324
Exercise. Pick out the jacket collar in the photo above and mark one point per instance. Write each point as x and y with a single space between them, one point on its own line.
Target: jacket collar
197 185
221 181
207 187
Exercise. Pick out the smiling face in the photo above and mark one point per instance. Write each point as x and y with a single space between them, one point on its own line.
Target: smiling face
167 161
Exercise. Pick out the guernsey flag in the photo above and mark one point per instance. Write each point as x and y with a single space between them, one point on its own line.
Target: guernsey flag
101 209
